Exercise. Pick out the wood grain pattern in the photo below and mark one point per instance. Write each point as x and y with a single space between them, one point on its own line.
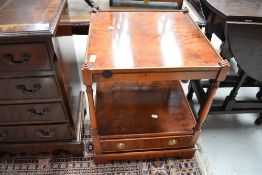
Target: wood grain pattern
143 40
33 17
36 133
178 153
149 143
24 57
32 114
236 9
127 109
28 88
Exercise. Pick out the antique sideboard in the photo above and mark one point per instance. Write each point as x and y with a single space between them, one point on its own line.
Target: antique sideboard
41 103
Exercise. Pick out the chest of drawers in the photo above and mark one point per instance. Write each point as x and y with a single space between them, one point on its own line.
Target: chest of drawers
41 103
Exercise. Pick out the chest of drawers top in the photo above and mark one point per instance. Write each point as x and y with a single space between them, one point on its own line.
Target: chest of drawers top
29 17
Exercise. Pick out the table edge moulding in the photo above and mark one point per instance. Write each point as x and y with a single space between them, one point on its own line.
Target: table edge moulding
124 97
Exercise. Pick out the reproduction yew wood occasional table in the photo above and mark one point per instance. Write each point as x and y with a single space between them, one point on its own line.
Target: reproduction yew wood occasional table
136 59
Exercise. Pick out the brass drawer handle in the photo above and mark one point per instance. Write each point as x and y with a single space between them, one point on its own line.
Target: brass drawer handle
34 90
24 58
120 146
3 135
45 133
172 142
33 112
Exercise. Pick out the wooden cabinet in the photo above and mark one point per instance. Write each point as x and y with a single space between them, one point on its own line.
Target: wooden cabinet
41 103
137 106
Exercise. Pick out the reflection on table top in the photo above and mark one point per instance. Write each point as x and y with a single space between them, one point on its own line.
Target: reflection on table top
241 9
140 40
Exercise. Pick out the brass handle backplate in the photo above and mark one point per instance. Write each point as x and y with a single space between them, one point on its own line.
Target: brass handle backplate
120 146
45 133
33 91
172 142
33 112
22 60
3 135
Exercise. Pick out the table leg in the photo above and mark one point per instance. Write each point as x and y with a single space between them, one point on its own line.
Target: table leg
204 111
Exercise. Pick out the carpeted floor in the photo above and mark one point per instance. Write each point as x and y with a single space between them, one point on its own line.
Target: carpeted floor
24 164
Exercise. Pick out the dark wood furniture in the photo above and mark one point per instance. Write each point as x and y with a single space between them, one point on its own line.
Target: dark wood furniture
195 7
179 3
138 109
76 16
236 23
41 107
218 12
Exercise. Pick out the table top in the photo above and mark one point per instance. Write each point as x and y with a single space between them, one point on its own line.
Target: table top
132 41
29 17
236 9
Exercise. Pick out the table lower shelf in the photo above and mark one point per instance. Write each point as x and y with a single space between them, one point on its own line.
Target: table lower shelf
142 109
141 117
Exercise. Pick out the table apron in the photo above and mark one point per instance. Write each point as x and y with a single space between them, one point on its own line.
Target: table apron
156 76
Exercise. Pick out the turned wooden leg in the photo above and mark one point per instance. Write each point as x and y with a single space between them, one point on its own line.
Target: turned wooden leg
111 2
93 5
204 111
231 98
258 121
259 93
190 91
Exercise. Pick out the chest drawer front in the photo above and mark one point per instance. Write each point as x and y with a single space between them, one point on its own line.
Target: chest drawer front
35 133
32 113
136 144
24 57
28 88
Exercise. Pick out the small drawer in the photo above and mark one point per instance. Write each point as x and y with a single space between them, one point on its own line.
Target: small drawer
35 133
24 57
32 114
136 144
28 88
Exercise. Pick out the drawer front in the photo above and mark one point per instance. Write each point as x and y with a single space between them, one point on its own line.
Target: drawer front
24 57
32 113
34 133
120 145
28 88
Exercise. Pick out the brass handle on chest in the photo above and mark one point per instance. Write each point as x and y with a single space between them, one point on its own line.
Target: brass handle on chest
45 133
24 58
172 142
120 146
35 89
3 135
32 112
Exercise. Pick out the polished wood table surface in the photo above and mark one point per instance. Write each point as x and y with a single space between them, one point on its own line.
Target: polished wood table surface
124 43
136 60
